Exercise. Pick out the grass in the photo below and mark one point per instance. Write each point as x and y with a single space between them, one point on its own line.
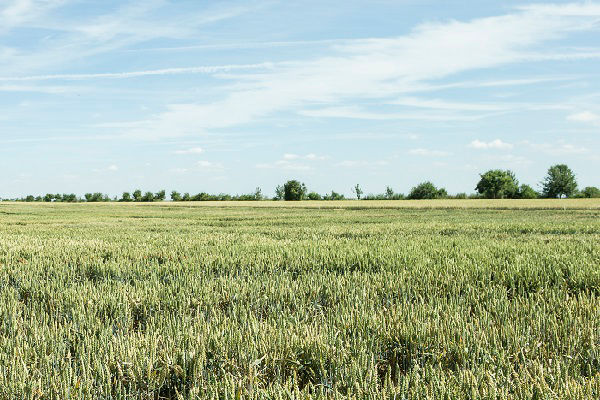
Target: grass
367 300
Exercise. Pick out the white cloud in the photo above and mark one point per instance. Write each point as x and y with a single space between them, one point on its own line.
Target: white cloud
584 116
208 165
310 156
559 149
313 156
112 168
428 153
494 144
191 150
377 69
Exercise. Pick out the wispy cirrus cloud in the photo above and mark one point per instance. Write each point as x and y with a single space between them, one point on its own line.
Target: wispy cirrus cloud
135 74
376 69
123 25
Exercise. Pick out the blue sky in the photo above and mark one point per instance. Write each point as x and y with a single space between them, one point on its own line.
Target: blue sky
226 96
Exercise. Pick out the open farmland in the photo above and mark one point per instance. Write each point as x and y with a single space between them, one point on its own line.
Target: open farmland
433 299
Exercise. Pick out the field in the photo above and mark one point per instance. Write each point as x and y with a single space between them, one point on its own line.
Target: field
366 300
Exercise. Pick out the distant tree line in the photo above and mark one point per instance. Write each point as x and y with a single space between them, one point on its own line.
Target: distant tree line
559 182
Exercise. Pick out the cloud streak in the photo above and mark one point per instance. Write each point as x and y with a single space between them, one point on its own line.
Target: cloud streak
135 74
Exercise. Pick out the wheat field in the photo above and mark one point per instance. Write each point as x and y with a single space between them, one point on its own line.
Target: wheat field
449 299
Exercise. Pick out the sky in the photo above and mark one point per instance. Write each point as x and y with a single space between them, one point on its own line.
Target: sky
226 96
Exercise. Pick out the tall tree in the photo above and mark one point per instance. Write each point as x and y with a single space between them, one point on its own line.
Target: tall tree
559 181
294 190
357 191
389 193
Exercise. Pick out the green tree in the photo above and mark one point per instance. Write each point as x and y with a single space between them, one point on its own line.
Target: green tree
559 181
160 196
93 197
137 195
69 198
498 184
427 190
314 196
30 198
126 197
175 196
279 193
258 194
294 190
527 192
389 193
148 196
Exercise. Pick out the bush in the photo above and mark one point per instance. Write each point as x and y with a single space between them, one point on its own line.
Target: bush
527 192
427 190
590 192
314 196
334 196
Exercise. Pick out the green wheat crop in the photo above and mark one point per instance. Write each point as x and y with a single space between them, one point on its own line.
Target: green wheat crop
322 300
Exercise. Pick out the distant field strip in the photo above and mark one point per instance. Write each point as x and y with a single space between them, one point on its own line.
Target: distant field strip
448 299
500 204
